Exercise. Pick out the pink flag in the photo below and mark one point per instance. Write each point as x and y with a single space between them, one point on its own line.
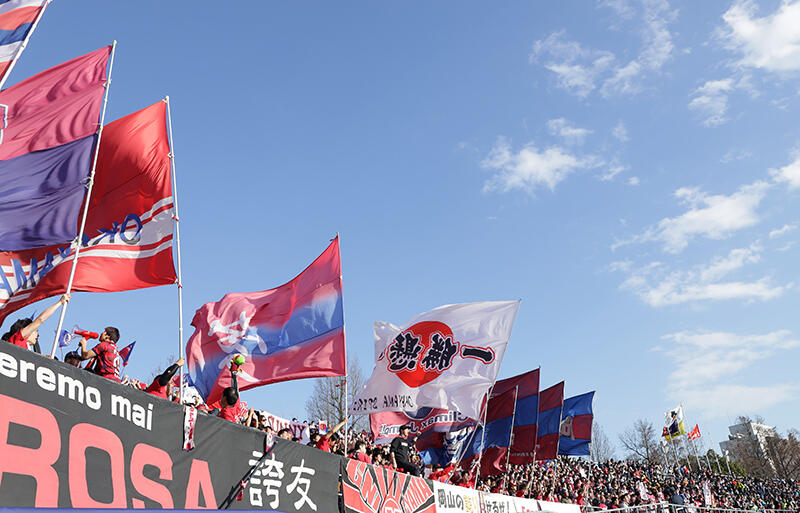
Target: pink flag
55 107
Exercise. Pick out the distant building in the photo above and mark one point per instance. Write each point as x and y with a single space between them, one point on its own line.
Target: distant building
748 438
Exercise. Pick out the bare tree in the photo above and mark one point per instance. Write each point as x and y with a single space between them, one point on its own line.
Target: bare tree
785 454
601 447
327 401
641 442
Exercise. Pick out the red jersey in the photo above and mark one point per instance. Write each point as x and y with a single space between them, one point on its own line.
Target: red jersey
362 456
322 444
229 413
157 390
18 340
108 360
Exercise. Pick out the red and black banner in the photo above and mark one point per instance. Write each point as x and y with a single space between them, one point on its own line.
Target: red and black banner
371 489
70 439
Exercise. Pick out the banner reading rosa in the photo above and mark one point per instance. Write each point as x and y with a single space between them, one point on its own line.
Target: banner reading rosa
70 439
370 489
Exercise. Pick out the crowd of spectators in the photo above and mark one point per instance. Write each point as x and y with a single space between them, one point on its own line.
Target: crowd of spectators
592 485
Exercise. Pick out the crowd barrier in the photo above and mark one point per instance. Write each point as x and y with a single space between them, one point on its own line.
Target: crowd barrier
70 439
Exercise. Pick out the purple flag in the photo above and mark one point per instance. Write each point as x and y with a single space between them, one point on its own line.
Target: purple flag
42 194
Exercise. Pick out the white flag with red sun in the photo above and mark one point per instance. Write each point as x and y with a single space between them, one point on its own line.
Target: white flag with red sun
445 358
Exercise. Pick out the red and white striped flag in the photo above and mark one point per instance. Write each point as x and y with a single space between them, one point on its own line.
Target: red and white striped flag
18 20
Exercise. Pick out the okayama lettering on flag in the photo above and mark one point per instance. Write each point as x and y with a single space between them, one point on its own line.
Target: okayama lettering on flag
16 22
290 332
445 358
47 139
128 239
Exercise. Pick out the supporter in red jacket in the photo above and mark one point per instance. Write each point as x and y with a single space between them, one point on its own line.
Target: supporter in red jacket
162 384
25 332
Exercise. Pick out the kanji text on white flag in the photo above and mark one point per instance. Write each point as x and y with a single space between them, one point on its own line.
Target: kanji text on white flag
445 358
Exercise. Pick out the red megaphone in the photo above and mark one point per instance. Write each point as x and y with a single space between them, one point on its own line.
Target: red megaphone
87 334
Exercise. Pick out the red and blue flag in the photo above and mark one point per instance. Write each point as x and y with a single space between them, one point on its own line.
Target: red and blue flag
125 353
551 401
291 332
48 126
514 400
576 425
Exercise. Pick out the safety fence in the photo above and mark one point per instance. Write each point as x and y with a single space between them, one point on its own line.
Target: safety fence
666 507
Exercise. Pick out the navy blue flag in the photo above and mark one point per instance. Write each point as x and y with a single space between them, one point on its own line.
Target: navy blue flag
42 193
576 425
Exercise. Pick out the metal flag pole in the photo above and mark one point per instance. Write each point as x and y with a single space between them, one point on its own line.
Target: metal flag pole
511 435
89 185
23 45
177 219
346 368
483 436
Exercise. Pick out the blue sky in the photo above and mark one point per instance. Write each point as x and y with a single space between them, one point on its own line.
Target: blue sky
629 169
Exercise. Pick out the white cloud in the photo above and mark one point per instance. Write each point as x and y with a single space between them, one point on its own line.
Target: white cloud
711 101
622 8
529 168
782 230
720 401
579 69
570 134
576 68
733 155
771 42
620 132
703 357
711 216
658 287
634 180
706 365
789 173
614 168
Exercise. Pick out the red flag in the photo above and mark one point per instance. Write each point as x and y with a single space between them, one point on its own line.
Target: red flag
128 238
694 434
665 432
56 106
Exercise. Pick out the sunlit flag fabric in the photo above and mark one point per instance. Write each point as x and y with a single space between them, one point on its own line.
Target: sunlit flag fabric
290 332
125 352
674 423
128 239
576 425
551 401
47 138
502 411
694 434
16 22
445 358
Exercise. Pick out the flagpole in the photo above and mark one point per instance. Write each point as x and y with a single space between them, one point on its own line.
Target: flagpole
483 435
90 184
510 434
23 45
346 369
177 219
711 441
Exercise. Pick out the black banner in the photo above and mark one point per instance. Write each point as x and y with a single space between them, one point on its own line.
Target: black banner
69 438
